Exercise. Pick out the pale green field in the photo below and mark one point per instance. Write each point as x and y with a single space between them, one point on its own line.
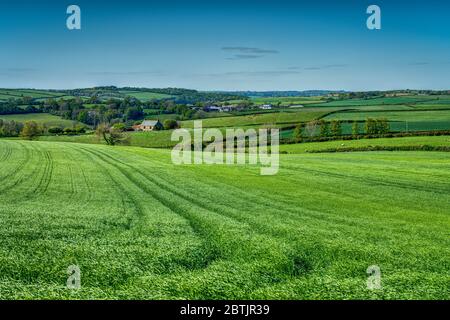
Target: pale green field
41 118
145 96
152 139
18 93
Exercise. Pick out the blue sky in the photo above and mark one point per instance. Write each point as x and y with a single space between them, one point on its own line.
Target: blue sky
226 45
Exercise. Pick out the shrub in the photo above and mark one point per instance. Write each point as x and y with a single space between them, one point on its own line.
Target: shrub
55 130
336 128
30 130
324 128
170 124
69 131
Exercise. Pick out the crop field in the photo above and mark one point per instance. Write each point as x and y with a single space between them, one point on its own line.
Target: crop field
151 139
14 94
41 118
141 228
294 116
434 141
394 126
429 115
385 100
286 101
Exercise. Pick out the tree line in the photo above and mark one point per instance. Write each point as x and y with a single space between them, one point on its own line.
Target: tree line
325 129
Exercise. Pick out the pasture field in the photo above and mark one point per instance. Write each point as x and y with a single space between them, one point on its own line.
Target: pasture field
434 141
36 94
41 118
429 115
275 118
435 106
141 228
146 96
152 139
414 120
385 100
286 101
394 126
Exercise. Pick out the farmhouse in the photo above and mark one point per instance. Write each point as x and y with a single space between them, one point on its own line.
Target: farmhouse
212 108
148 125
266 107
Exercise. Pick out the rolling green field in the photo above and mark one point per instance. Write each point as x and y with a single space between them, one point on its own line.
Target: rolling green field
41 118
151 139
272 118
141 228
389 142
430 115
286 101
414 120
145 96
6 94
387 100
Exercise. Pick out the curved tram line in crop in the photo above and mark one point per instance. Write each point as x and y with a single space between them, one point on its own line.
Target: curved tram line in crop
140 227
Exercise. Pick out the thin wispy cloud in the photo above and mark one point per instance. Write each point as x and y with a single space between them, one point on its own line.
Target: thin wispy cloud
249 50
245 56
245 53
267 73
124 73
327 66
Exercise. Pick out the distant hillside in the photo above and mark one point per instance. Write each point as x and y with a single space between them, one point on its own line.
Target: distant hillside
306 93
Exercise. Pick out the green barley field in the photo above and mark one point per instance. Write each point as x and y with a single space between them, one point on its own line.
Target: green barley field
140 227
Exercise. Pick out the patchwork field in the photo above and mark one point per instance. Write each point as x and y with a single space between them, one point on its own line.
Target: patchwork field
434 141
6 94
388 100
140 227
41 118
145 96
430 115
151 139
271 118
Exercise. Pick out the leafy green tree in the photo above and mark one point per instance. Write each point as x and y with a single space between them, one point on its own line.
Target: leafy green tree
83 116
30 130
336 128
119 126
371 126
55 130
324 128
112 136
355 128
383 126
170 124
298 133
311 128
134 113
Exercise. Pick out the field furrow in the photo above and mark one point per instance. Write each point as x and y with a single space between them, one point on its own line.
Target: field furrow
140 227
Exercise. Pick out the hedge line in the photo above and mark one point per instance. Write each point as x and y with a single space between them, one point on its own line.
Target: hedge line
370 136
383 148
